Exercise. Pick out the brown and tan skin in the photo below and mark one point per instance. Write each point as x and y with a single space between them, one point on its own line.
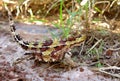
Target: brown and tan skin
51 50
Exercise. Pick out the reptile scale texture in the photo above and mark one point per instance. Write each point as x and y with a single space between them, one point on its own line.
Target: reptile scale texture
51 50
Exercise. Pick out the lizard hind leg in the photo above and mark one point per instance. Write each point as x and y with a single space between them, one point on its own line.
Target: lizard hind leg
26 56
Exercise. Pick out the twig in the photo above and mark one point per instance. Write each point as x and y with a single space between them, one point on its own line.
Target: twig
117 49
94 45
100 2
81 48
110 68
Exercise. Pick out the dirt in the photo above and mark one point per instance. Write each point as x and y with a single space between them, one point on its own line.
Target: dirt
29 70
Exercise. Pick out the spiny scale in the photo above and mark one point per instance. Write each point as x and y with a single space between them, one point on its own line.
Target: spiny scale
50 50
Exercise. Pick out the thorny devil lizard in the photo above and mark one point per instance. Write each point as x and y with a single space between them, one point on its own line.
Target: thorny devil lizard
49 50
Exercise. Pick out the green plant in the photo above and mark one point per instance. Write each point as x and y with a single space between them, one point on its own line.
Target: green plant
61 15
99 64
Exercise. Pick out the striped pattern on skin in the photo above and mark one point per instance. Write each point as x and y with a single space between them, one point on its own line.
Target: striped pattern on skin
50 50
